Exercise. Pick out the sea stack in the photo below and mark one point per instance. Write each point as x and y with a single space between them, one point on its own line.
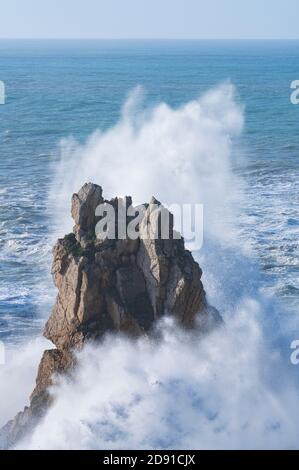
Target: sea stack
116 286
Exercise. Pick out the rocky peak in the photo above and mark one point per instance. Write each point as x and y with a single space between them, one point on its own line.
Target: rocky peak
120 284
115 285
84 204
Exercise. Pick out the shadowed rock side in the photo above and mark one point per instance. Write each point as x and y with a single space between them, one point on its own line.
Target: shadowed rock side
104 285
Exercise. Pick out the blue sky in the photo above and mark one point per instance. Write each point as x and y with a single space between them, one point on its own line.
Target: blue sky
149 19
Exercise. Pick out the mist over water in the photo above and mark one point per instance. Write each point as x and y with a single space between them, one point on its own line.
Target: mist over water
63 88
234 388
17 376
181 393
179 155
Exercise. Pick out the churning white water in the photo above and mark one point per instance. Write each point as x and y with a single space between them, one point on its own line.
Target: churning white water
236 388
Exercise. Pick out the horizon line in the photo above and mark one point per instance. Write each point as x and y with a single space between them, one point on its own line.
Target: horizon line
145 39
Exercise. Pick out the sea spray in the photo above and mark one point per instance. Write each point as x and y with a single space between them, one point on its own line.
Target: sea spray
220 392
180 155
182 392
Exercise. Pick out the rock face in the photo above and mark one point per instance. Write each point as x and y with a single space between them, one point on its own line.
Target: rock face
112 285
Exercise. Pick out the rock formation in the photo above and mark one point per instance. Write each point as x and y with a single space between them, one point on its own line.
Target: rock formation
112 285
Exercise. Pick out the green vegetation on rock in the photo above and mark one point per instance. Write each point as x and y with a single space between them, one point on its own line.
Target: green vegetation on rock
73 246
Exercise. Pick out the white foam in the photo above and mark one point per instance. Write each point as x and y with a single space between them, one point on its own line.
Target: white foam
220 392
17 376
183 393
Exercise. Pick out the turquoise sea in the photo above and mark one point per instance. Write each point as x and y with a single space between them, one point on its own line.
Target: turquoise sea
56 89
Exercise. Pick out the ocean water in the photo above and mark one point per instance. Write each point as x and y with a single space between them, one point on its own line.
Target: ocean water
198 121
60 89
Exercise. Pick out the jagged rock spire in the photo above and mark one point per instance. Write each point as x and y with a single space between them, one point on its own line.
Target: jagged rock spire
112 285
